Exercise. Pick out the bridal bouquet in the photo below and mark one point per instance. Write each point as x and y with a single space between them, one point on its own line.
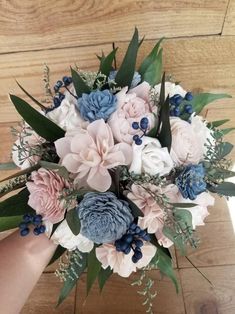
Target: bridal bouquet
117 166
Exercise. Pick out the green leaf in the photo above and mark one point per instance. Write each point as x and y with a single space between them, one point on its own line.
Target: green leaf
164 264
8 166
54 227
103 276
16 205
201 100
94 267
216 124
127 69
41 125
175 238
153 73
106 63
58 252
223 132
7 223
164 136
31 97
136 212
73 221
70 282
184 217
218 173
21 172
79 84
225 188
149 59
183 205
223 149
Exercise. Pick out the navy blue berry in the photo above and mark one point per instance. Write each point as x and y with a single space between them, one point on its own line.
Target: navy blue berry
188 109
135 125
189 96
138 141
24 232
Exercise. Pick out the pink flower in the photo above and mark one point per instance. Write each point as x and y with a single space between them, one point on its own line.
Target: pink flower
187 147
45 190
91 153
121 263
132 106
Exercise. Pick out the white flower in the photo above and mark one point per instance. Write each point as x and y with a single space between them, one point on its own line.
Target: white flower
151 158
170 89
66 115
186 147
64 236
199 126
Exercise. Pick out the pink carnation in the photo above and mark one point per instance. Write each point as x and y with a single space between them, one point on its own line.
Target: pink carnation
91 153
132 106
45 190
122 263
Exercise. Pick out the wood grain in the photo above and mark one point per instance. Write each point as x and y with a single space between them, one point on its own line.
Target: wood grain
201 298
32 25
44 297
229 23
118 296
217 246
27 68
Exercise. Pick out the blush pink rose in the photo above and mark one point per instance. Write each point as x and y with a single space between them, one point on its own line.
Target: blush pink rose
187 147
121 263
91 153
45 189
132 106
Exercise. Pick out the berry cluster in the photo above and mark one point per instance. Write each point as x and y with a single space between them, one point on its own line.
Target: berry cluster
36 220
66 81
180 105
132 240
143 126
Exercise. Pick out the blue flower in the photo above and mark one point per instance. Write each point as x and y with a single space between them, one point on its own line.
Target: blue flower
135 81
104 218
191 181
97 105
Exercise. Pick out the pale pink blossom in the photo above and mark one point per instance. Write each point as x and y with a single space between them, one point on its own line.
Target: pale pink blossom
187 147
122 263
91 153
132 106
45 190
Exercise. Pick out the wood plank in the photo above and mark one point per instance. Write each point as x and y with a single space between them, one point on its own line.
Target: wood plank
201 298
204 64
31 25
27 68
217 246
44 297
229 23
118 296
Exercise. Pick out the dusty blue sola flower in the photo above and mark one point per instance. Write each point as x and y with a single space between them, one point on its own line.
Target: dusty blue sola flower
135 81
97 105
191 181
104 218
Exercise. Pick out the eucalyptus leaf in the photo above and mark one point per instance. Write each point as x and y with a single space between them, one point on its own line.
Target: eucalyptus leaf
31 97
16 205
126 71
201 100
176 239
223 132
40 124
58 253
7 223
79 84
106 62
183 205
70 281
21 172
223 149
153 73
73 221
217 123
218 173
184 217
225 188
8 166
93 270
103 276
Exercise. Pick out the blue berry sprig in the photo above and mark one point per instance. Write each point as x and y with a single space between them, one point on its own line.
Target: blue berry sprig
28 219
180 105
132 240
64 83
143 126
